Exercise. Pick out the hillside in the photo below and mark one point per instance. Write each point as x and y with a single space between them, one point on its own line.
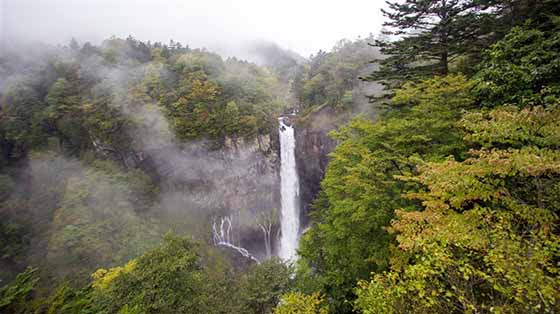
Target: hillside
413 171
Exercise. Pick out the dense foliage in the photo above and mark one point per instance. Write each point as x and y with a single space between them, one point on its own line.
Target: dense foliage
360 191
75 124
16 294
447 202
435 33
298 303
92 97
180 276
331 78
485 240
521 69
452 207
423 38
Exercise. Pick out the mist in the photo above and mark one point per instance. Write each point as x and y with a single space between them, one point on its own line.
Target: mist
166 138
226 27
196 184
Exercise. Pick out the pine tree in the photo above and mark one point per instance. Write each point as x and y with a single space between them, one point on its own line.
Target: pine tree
432 34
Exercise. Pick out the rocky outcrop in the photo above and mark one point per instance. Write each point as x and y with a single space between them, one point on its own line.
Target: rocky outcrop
239 181
313 145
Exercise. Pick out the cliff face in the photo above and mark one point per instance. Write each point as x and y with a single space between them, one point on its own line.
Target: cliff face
313 145
252 181
239 182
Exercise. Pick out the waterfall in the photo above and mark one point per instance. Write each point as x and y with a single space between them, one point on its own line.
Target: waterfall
221 234
289 193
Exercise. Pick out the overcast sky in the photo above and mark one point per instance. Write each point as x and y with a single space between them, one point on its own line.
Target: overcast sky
304 26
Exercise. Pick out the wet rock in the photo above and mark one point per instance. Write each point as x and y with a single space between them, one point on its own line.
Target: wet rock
313 145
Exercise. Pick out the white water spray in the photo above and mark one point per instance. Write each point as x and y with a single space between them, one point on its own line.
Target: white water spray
289 193
222 236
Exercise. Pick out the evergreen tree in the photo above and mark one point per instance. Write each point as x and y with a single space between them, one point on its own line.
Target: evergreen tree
432 35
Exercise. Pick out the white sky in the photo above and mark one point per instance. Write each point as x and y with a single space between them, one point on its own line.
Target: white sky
304 26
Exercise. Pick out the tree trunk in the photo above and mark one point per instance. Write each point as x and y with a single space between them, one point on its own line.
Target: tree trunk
444 63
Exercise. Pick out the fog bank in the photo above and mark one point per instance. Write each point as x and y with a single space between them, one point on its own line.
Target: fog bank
220 25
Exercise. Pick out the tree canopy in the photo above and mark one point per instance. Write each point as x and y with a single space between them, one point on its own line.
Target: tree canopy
445 201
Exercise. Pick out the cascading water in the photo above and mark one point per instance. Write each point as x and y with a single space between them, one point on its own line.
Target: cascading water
289 193
222 236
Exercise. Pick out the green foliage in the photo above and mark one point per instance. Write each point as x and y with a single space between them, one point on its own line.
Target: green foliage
330 77
521 69
74 101
97 223
359 191
298 303
214 99
21 120
168 279
485 240
512 127
435 33
14 238
474 232
14 233
76 127
106 125
180 276
263 285
406 210
68 300
64 113
14 297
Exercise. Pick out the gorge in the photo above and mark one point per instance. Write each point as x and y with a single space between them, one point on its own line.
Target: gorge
287 222
412 171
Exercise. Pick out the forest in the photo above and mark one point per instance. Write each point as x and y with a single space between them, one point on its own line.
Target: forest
141 177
